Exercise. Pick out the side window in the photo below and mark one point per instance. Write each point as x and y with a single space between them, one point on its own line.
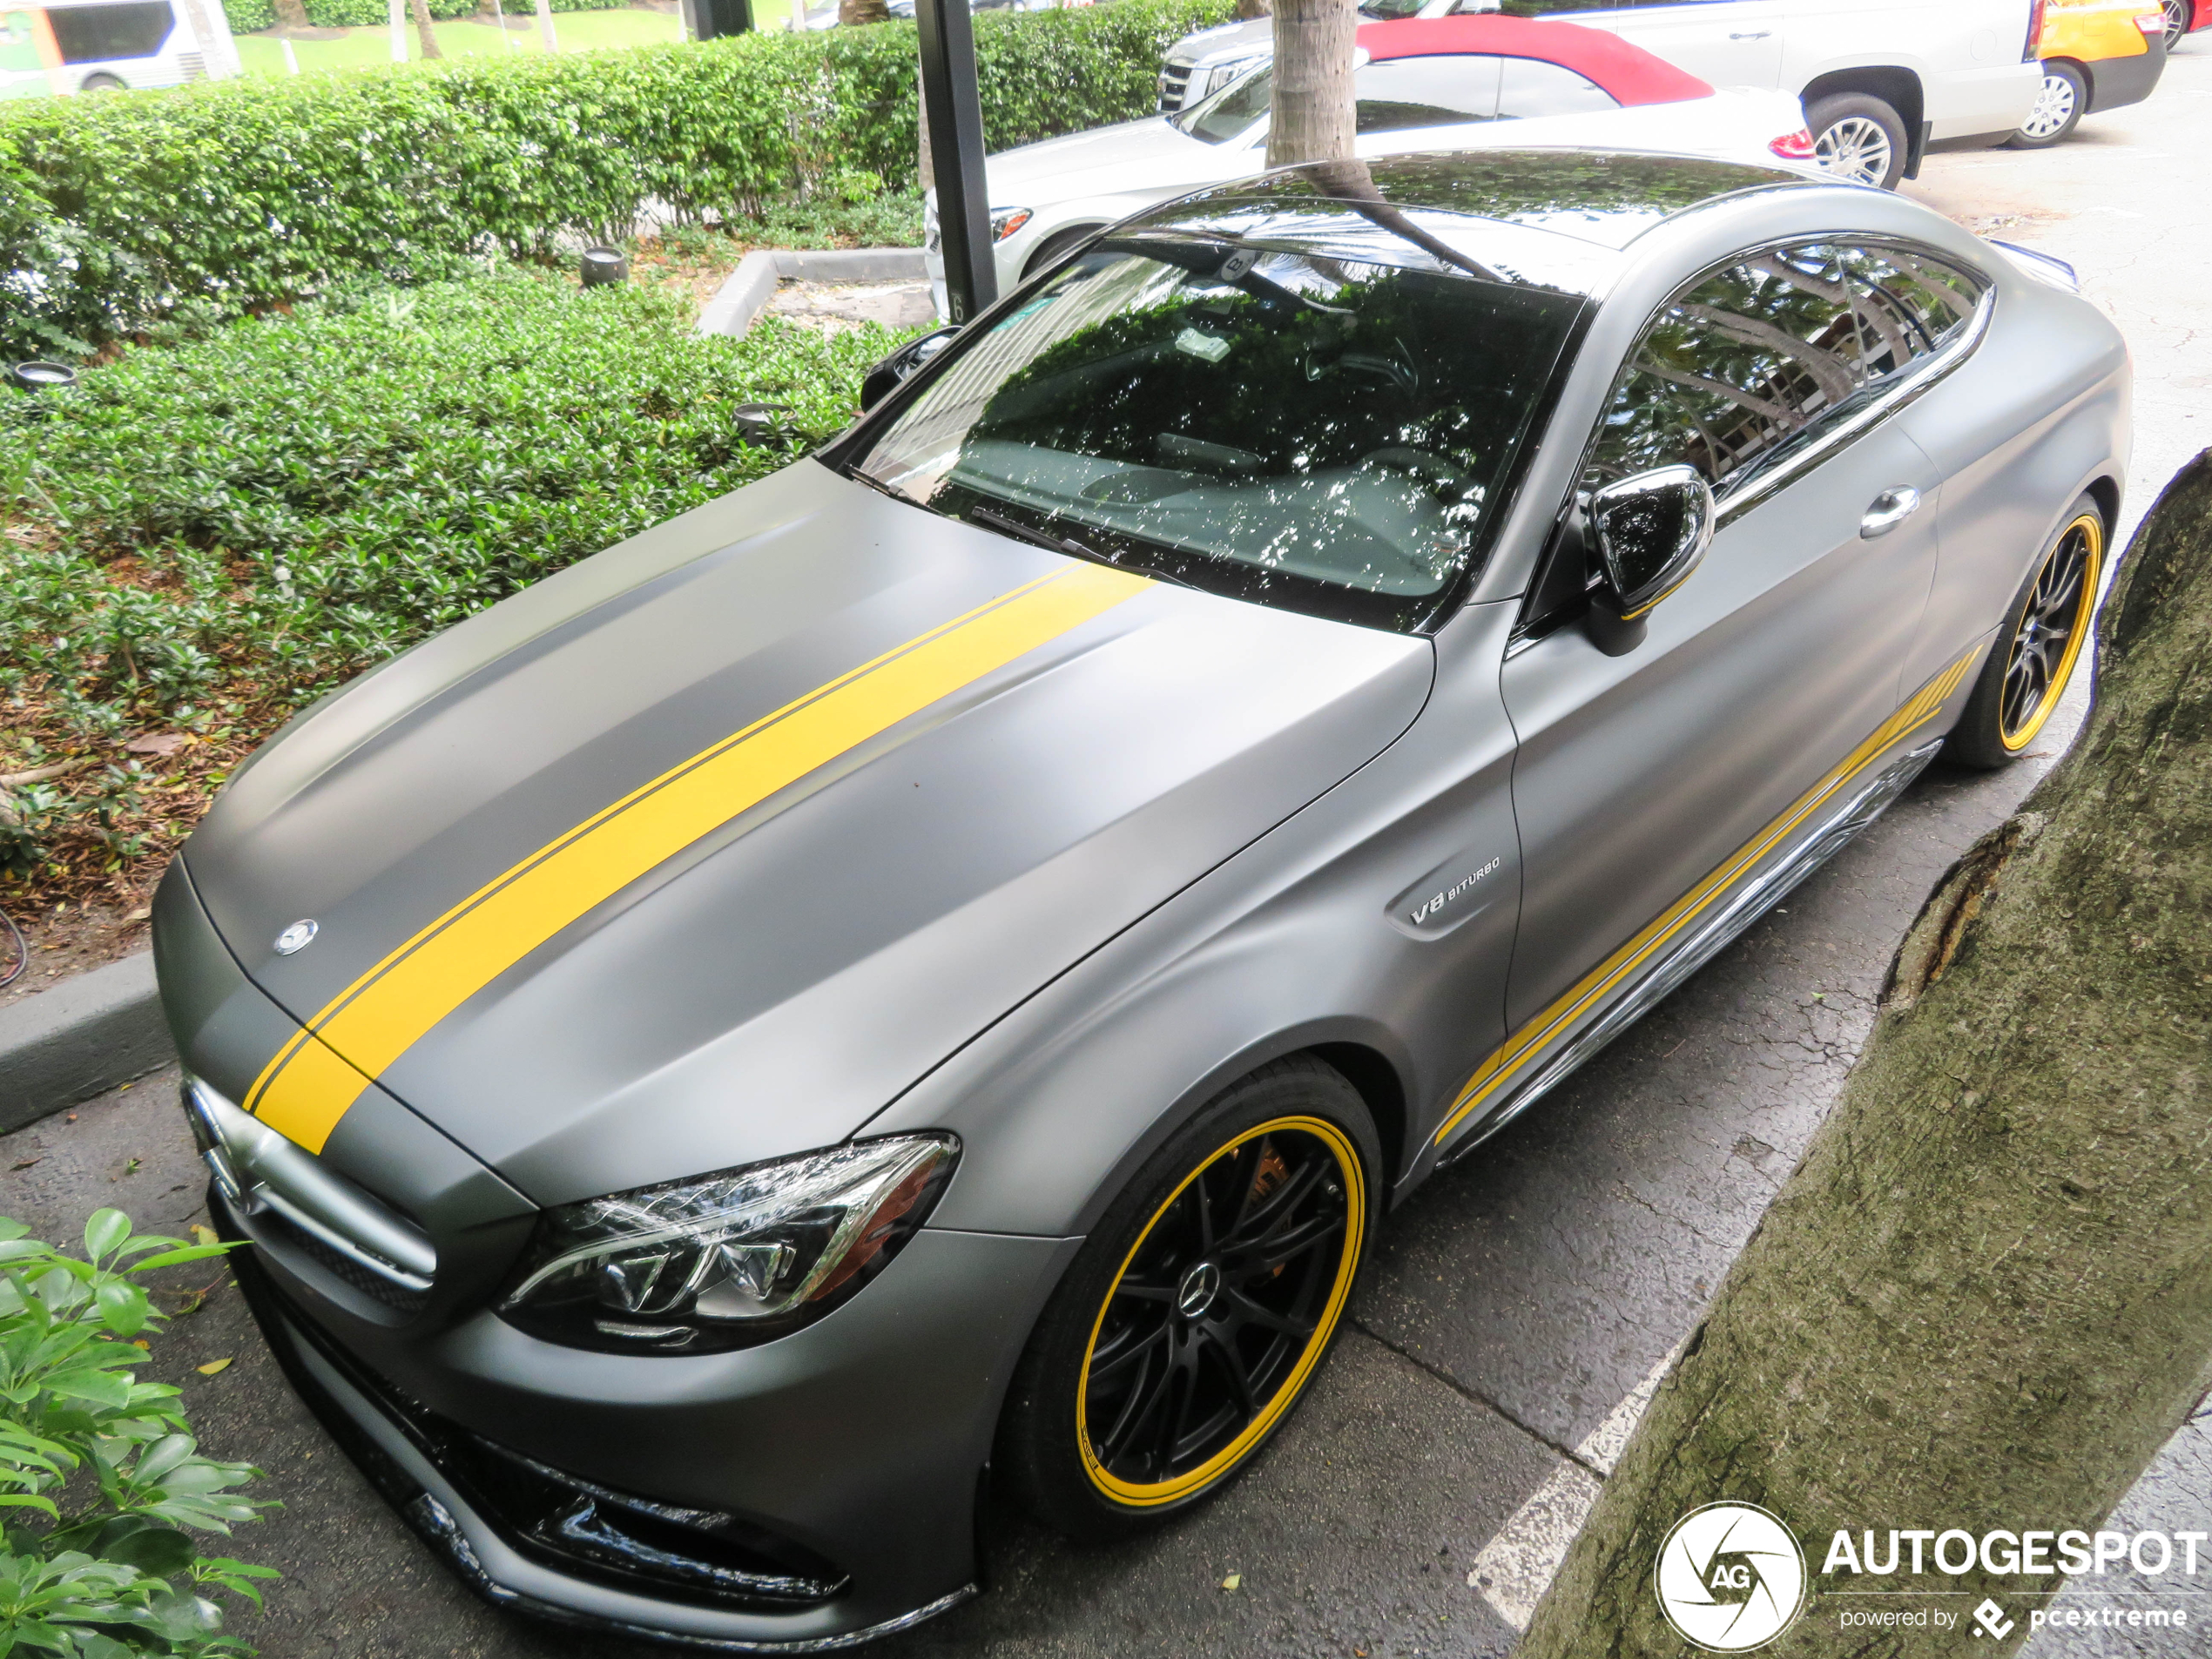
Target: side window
1528 86
1749 363
93 34
1425 91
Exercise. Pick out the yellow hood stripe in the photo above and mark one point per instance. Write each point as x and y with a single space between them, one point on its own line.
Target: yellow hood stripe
308 1086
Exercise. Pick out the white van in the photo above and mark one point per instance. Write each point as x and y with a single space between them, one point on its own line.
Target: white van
63 46
1880 79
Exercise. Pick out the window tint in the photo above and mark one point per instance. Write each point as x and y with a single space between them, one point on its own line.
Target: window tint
1426 92
1749 363
1389 9
1529 87
91 34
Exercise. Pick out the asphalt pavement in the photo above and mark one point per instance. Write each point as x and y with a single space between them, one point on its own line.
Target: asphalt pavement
1494 1353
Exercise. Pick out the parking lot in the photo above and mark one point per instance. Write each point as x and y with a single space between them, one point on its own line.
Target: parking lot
1516 1303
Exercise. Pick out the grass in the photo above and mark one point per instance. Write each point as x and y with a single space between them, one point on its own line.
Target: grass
201 539
263 54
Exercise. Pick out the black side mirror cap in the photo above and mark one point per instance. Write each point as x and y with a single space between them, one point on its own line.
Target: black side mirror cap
881 381
1650 532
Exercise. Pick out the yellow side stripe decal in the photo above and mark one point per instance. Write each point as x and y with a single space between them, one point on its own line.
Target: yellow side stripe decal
307 1087
1539 1033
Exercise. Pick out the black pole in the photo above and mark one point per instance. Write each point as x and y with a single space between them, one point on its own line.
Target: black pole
955 112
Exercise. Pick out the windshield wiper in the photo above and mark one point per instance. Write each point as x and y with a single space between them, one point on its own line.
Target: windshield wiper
1070 545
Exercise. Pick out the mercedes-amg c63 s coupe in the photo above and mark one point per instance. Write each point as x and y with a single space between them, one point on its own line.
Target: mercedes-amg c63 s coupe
924 975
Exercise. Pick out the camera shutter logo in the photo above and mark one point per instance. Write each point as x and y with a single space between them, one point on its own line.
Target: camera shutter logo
1730 1577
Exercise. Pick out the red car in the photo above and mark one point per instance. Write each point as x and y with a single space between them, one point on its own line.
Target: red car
2184 17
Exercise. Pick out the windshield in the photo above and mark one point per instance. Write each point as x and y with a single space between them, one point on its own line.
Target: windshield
1230 110
1324 433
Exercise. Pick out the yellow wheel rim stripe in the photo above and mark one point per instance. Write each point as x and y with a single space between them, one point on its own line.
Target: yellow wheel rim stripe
308 1086
1150 1495
2093 533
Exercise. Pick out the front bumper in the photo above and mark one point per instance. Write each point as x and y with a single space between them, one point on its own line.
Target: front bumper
844 1463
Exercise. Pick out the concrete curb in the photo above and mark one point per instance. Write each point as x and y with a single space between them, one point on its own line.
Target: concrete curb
753 283
79 1039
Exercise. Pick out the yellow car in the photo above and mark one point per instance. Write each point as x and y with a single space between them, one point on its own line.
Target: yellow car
2097 55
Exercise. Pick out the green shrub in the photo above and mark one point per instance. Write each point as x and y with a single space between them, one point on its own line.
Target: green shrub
374 14
246 15
114 211
103 1466
212 536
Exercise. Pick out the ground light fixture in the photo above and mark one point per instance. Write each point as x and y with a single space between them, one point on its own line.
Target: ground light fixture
38 376
603 265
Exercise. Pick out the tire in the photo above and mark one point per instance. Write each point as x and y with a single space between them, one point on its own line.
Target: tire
1048 251
2046 628
1152 1325
102 82
2179 14
1858 138
2057 108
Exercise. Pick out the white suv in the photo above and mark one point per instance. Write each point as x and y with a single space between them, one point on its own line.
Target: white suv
1880 79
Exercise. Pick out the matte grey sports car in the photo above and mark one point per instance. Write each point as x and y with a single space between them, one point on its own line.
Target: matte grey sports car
933 967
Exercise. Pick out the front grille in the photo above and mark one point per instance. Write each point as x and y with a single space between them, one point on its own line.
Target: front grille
563 1521
1175 84
275 1229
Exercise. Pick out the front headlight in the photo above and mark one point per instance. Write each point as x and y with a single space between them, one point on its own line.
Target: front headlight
726 1260
1007 220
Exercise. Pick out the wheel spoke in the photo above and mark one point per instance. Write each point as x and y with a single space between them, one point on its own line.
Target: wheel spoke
1255 1312
1223 1347
1265 1258
1144 1401
1281 1204
1125 1354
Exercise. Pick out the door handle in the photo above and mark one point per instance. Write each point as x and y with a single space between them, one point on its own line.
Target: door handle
1752 34
1889 509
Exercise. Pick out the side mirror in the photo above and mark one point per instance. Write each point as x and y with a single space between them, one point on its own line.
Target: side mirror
884 378
1650 531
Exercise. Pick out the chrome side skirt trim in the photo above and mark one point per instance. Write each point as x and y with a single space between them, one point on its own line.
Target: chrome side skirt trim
1699 944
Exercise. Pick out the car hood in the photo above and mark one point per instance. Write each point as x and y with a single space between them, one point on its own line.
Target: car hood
702 851
1149 155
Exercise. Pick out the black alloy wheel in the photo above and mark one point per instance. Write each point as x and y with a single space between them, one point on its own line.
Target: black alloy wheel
2050 632
2045 631
1199 1308
1216 1308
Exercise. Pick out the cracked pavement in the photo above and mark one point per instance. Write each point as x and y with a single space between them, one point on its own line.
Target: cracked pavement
1512 1303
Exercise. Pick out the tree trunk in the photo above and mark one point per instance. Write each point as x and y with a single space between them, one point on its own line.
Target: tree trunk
1984 1300
545 27
423 29
1248 10
1309 108
292 15
859 11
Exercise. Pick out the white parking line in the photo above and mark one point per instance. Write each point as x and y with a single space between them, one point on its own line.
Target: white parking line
1516 1567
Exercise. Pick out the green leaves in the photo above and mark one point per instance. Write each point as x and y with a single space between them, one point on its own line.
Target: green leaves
168 211
121 1574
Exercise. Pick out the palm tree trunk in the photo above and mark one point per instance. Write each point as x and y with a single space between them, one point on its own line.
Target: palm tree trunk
545 26
423 29
1309 111
292 15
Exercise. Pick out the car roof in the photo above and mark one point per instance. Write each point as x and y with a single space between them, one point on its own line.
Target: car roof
1597 201
1630 73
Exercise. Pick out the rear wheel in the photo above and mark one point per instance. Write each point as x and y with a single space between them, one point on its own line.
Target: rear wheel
1195 1316
2045 632
101 82
1858 138
2179 16
2059 106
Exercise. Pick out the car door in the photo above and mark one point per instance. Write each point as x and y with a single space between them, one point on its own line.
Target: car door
1640 775
1729 42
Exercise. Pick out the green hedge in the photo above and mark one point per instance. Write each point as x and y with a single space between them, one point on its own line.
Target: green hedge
246 15
224 196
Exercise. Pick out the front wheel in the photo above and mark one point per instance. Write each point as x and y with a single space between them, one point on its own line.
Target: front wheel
1858 138
2179 14
2058 105
2044 632
1196 1314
